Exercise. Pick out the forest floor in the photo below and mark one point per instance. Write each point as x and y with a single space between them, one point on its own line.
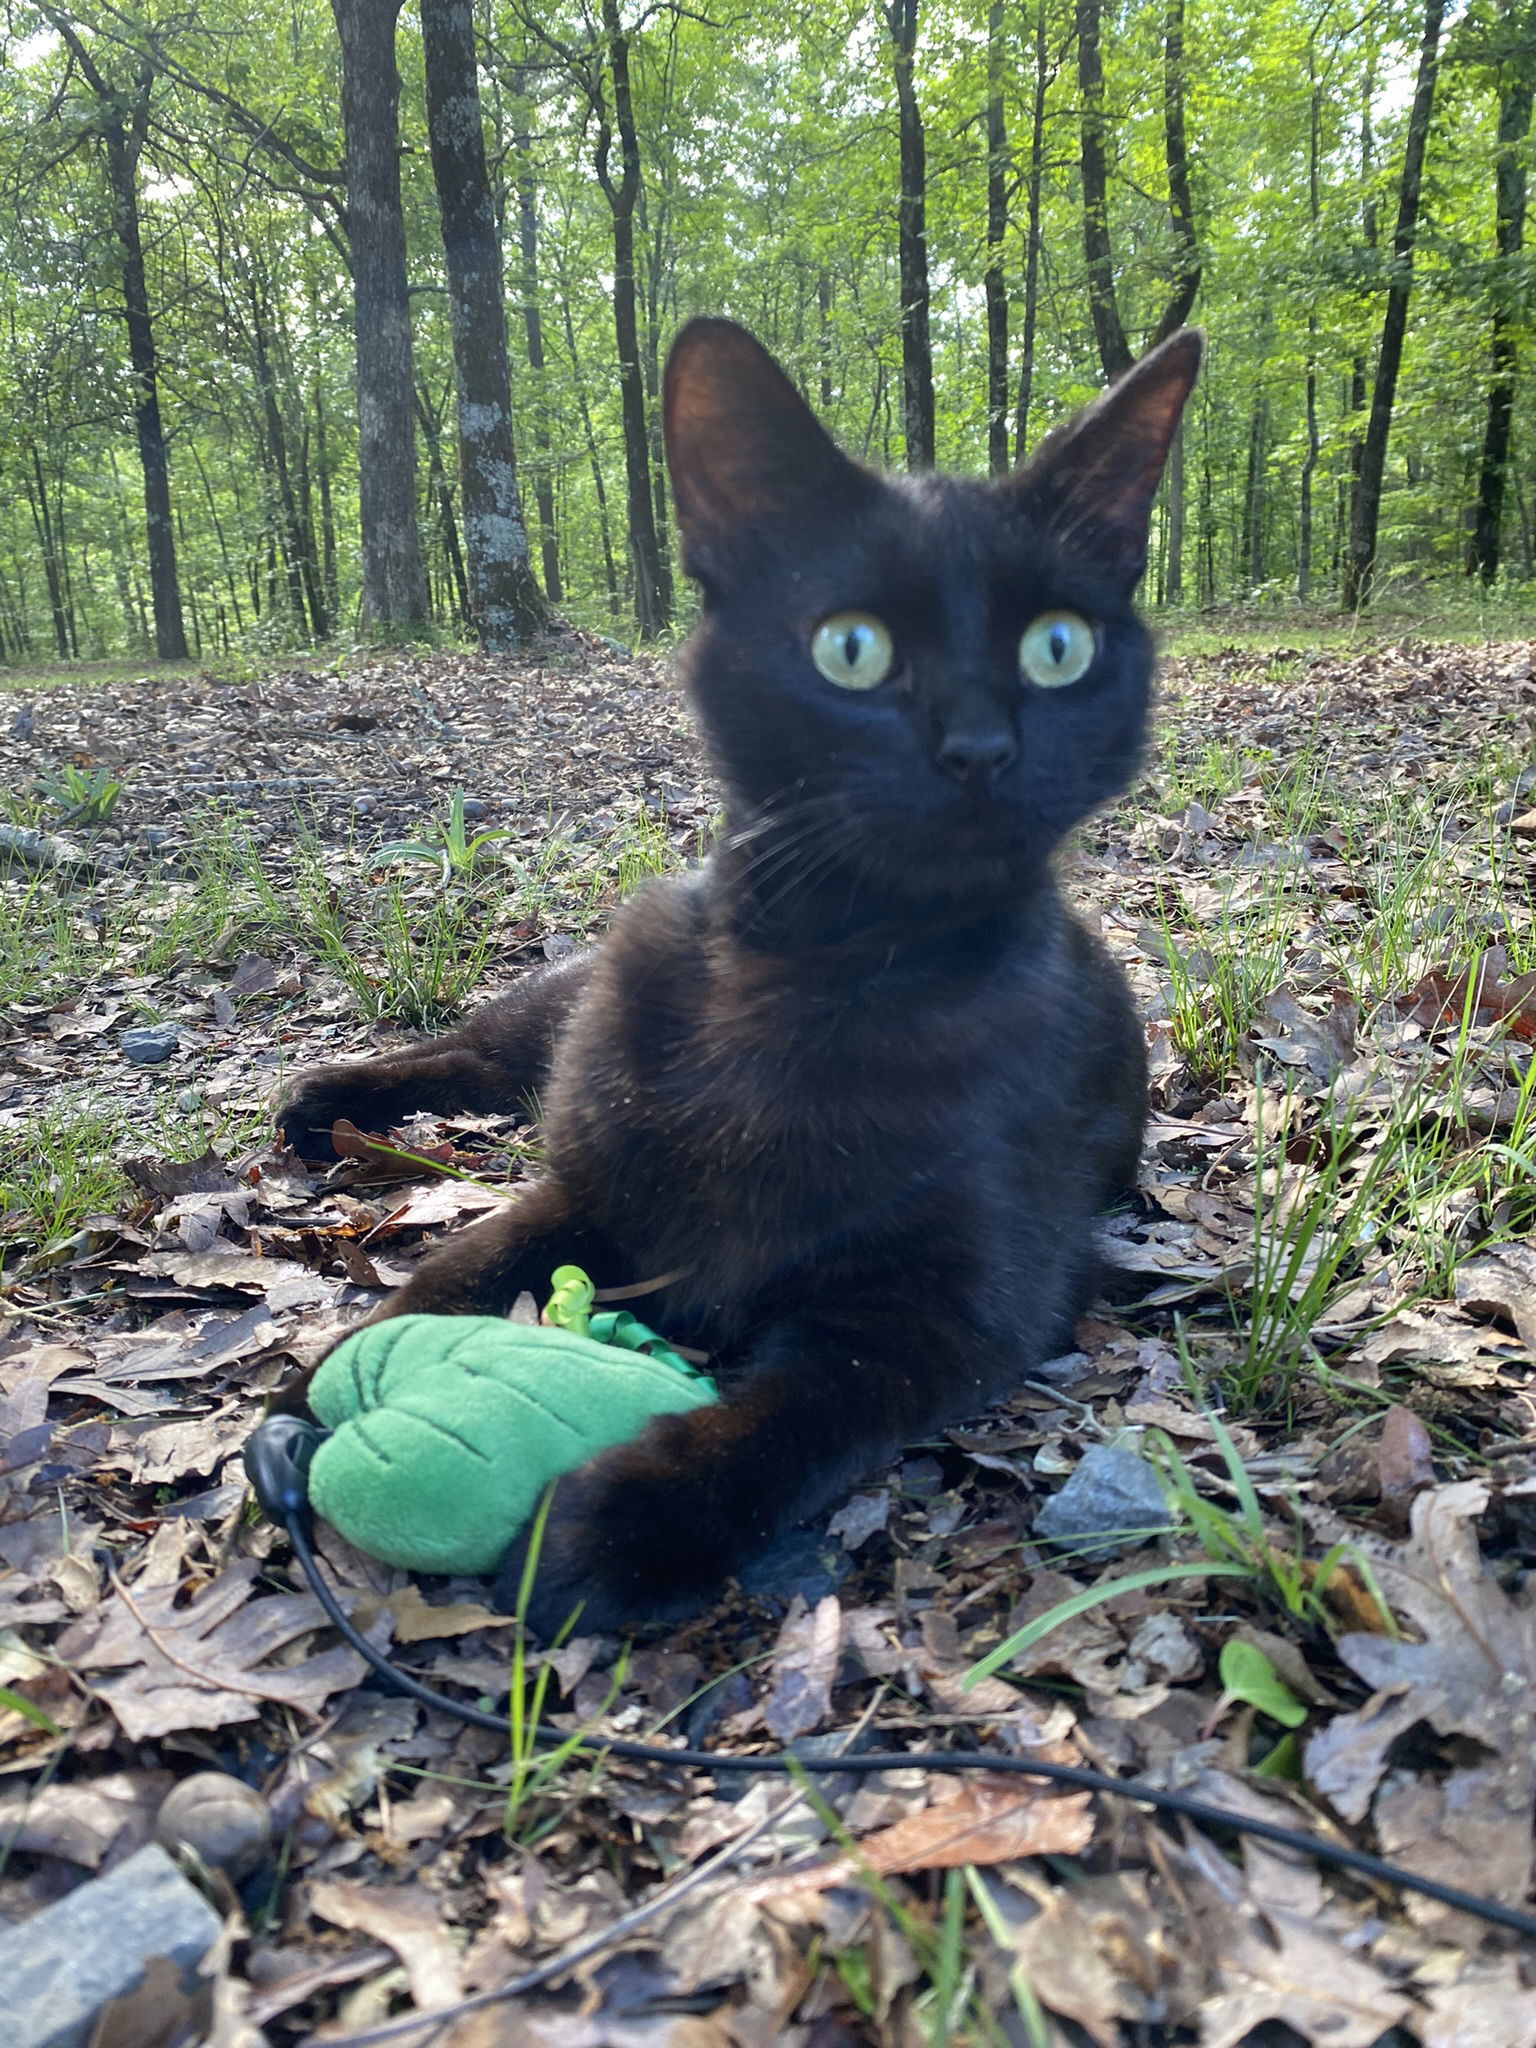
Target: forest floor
1322 1345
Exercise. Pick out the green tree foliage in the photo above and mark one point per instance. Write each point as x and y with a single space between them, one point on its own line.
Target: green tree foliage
764 180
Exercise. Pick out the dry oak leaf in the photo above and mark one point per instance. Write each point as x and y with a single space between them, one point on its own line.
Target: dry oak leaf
1295 1973
1502 1283
805 1661
407 1919
202 1664
1096 1955
986 1822
1476 994
1487 2007
81 1821
1472 1673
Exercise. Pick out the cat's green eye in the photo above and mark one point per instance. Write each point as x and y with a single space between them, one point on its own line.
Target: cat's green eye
1056 648
853 650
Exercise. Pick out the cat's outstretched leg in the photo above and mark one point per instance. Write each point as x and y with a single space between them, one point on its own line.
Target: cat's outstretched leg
493 1063
651 1529
482 1271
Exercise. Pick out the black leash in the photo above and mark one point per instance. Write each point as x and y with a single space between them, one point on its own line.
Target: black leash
277 1463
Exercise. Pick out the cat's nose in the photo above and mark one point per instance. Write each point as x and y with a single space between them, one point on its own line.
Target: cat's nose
977 757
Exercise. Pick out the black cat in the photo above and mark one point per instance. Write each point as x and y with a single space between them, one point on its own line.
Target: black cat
860 1084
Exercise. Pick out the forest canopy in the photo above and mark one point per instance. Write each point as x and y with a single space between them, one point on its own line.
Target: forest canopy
338 319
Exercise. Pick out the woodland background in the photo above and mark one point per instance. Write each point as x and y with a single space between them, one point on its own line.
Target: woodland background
332 320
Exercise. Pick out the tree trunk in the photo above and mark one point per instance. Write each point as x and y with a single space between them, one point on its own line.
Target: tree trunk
594 459
653 581
1032 189
330 579
1314 438
1181 206
42 520
1365 505
912 243
123 127
506 605
1252 540
1515 101
440 494
394 580
1103 305
997 228
1173 567
533 330
277 450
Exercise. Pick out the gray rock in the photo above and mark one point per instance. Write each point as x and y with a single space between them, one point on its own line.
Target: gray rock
475 807
1113 1495
149 1045
64 1964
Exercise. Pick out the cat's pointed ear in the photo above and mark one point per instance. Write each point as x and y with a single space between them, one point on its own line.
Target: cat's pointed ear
1091 481
745 452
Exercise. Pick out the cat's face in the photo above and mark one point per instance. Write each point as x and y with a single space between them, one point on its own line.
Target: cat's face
918 683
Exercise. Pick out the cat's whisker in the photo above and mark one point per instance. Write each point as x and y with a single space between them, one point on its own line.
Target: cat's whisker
809 873
791 849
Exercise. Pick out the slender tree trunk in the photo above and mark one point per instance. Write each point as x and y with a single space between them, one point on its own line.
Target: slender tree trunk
594 458
1181 206
1253 494
277 450
533 330
329 575
1359 384
506 605
1309 461
1515 101
1365 507
1098 255
394 579
824 339
314 586
912 243
653 581
1032 192
440 495
1173 573
1103 301
218 528
124 143
997 228
42 520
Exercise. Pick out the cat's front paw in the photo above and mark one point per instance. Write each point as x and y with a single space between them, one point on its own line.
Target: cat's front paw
306 1111
616 1551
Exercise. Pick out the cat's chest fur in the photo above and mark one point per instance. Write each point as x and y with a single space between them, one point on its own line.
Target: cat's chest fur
750 1114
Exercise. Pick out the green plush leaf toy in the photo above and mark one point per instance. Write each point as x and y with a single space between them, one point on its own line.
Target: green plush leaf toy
446 1429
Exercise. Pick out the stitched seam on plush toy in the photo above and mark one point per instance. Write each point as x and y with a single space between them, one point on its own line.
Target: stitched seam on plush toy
426 1422
533 1401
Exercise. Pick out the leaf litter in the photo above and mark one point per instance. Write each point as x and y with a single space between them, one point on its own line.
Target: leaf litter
1318 1328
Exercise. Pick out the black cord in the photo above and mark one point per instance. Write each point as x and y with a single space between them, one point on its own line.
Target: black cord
865 1763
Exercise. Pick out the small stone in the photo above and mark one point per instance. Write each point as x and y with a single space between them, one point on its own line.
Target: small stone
364 804
189 1098
222 1818
64 1964
149 1045
1113 1495
559 946
475 807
